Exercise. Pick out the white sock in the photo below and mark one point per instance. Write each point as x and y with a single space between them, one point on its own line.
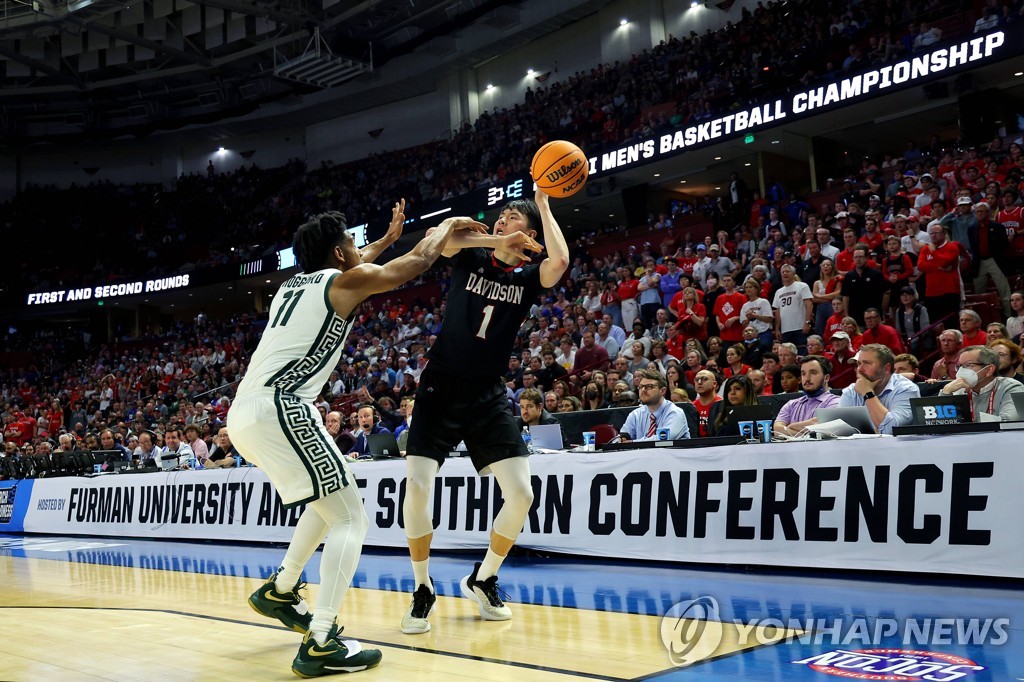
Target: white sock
421 573
287 576
490 565
323 620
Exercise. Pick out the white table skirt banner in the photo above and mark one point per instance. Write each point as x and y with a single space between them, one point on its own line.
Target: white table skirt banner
947 504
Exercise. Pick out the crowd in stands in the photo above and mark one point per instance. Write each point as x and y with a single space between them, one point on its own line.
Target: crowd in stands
120 232
755 303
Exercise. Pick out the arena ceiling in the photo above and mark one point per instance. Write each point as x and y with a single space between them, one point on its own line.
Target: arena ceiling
93 69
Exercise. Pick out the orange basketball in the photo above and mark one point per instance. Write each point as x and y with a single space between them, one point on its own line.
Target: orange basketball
559 168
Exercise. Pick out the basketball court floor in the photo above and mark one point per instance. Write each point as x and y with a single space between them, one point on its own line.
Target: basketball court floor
112 609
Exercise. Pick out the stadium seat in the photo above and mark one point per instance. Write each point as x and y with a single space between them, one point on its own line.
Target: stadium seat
604 433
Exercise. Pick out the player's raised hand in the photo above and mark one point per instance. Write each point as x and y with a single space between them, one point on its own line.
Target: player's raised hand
519 243
397 221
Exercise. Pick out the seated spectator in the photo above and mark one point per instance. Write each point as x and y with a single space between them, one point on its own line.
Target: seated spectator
175 454
551 402
770 366
798 414
570 403
757 378
640 336
1009 359
369 423
654 412
593 397
531 410
951 341
876 331
816 345
788 354
885 394
970 325
789 378
147 449
852 330
342 437
107 442
752 350
907 365
734 357
977 375
706 384
198 445
225 455
995 330
739 390
695 360
1015 324
403 438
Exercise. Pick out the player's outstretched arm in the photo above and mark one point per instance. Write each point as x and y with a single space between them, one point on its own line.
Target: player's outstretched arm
554 266
353 286
369 253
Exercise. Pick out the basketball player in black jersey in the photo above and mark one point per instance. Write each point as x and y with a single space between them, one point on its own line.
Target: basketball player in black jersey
461 395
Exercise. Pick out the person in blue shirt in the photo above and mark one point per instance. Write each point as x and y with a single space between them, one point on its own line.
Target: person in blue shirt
885 394
654 413
369 423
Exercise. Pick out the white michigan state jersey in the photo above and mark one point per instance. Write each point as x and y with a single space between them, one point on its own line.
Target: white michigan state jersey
303 340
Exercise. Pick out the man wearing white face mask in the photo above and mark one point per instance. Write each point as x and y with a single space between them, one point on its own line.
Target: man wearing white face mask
977 375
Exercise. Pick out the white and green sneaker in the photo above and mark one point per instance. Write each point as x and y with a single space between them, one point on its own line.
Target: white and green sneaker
486 594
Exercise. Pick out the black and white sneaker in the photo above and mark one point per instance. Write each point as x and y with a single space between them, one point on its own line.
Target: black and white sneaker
415 622
486 594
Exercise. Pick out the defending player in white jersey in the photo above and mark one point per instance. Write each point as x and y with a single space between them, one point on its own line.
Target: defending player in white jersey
273 421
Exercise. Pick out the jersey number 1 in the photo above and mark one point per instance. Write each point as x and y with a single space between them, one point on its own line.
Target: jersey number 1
288 307
482 332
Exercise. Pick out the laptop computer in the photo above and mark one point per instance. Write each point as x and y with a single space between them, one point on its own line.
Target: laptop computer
382 445
856 418
941 409
750 413
1018 402
547 436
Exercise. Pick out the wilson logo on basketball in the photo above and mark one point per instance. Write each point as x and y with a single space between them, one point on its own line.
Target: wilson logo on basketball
563 170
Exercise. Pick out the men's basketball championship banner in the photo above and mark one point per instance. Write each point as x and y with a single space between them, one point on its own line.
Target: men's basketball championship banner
936 504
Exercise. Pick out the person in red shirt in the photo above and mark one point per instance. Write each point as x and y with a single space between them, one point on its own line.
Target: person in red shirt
687 261
675 344
693 316
939 261
727 312
872 236
970 327
835 321
707 395
877 332
628 288
844 367
844 260
55 417
734 356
